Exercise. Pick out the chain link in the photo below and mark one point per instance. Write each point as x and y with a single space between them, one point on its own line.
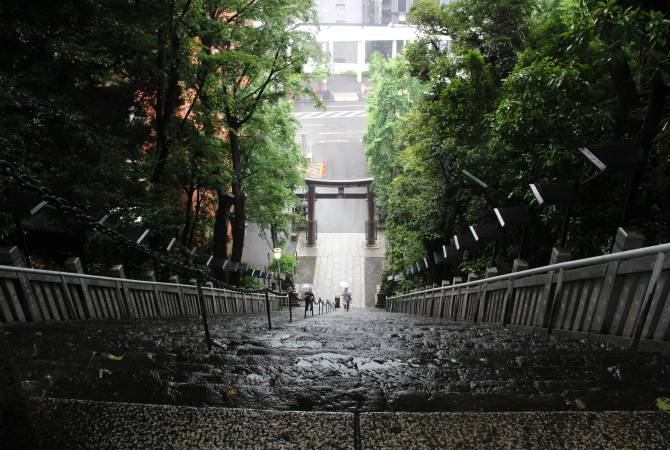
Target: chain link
79 216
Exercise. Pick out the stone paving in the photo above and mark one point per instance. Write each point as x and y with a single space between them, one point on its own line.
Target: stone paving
342 257
356 361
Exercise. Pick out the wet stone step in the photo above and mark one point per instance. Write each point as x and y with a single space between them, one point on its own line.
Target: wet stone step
372 361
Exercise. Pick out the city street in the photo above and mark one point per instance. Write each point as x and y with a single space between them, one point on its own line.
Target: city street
334 137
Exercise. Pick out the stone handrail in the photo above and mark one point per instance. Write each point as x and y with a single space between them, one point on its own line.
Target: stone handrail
31 295
622 297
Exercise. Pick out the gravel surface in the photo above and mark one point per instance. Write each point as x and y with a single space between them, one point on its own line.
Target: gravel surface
536 430
76 424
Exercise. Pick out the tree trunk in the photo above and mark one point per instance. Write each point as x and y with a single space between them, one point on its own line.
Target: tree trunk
188 215
239 201
199 195
167 92
221 229
273 235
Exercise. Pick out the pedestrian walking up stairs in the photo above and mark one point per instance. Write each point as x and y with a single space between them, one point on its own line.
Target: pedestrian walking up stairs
465 366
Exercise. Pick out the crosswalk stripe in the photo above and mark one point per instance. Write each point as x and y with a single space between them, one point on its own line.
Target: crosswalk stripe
330 114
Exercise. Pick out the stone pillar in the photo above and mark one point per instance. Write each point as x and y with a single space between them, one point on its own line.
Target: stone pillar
380 298
457 280
174 279
559 255
627 240
471 277
394 48
117 271
491 272
445 283
73 264
370 224
148 275
331 50
311 223
360 63
12 256
519 265
303 143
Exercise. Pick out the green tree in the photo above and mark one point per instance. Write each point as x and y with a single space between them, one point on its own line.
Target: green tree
273 163
519 88
255 57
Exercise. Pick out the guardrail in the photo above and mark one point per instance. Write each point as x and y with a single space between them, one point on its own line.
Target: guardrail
30 295
624 297
324 306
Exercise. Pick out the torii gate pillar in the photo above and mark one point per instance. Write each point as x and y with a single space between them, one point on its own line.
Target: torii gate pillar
370 224
311 223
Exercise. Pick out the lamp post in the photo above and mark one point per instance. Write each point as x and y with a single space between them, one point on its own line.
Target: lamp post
276 253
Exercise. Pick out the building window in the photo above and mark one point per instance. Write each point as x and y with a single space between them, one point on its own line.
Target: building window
402 6
345 52
339 13
383 47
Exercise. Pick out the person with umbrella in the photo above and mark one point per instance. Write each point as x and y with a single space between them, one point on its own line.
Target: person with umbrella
346 295
308 296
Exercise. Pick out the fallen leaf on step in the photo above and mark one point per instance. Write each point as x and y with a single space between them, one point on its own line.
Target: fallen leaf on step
216 371
577 403
38 333
663 403
275 425
114 357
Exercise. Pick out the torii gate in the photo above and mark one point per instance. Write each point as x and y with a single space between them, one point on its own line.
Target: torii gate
312 196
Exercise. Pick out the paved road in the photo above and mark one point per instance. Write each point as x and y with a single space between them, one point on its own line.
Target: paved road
344 361
335 137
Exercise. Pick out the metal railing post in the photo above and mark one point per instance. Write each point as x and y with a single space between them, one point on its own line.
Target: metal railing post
203 313
643 312
267 308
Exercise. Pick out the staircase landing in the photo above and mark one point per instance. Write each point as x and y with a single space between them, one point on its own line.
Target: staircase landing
344 256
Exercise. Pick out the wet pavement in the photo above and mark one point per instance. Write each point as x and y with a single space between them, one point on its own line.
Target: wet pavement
356 361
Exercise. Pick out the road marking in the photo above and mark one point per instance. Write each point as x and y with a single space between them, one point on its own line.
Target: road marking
330 114
333 140
315 169
334 132
345 96
347 106
309 114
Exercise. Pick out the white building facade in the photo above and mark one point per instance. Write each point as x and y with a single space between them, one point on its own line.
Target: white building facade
351 30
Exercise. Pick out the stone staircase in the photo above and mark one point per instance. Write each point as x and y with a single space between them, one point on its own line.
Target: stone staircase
379 374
